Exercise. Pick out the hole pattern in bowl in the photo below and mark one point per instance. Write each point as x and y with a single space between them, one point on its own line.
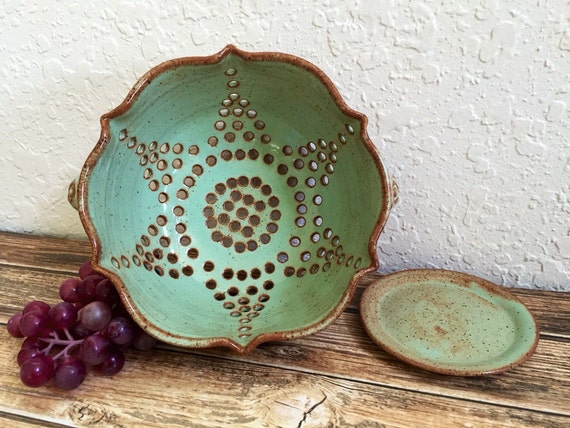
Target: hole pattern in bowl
234 199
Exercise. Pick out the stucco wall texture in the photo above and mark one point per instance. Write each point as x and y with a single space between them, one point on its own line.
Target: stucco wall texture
467 101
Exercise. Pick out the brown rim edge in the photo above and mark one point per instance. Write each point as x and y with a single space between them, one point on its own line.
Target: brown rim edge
82 192
465 277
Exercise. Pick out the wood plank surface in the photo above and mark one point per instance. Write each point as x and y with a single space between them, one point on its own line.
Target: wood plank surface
63 255
337 377
162 387
48 253
344 350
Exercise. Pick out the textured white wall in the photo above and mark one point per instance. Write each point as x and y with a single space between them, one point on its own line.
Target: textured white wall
468 104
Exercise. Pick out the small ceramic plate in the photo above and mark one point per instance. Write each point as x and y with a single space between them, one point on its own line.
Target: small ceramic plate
448 322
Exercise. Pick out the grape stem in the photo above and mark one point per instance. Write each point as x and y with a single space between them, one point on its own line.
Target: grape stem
54 340
68 334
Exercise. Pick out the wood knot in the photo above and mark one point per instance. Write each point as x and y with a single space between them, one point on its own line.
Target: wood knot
89 413
290 352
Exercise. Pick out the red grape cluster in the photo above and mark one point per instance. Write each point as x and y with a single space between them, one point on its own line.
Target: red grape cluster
89 328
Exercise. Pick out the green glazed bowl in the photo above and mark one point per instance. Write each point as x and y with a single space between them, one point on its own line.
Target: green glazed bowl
233 199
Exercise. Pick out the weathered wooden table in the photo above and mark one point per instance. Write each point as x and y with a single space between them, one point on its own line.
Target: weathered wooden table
337 377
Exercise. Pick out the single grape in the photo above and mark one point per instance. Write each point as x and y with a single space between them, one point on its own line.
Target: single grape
26 354
105 292
37 371
79 331
143 341
32 343
70 372
112 364
95 315
86 289
13 325
85 270
120 331
36 306
119 310
68 290
94 349
62 315
34 324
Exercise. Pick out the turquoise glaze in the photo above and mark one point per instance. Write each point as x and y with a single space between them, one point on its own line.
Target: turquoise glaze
234 199
449 322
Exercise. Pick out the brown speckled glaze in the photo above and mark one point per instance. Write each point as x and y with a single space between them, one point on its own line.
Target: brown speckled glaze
448 322
234 199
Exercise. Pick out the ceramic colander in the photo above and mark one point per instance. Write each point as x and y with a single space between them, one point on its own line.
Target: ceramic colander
233 199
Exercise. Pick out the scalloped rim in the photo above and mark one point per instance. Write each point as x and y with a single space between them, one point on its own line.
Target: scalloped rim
184 341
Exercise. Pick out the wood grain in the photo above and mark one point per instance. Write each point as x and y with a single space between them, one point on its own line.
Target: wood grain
344 350
54 254
43 252
177 389
337 377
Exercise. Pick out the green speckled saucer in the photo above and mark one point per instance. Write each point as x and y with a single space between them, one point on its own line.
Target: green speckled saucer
448 322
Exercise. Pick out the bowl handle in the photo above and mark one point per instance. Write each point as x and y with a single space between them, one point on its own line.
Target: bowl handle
394 193
72 194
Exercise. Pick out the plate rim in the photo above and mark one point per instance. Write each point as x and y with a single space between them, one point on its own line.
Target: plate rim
456 278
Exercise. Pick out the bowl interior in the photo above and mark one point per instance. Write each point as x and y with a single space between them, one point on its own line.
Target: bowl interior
234 200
